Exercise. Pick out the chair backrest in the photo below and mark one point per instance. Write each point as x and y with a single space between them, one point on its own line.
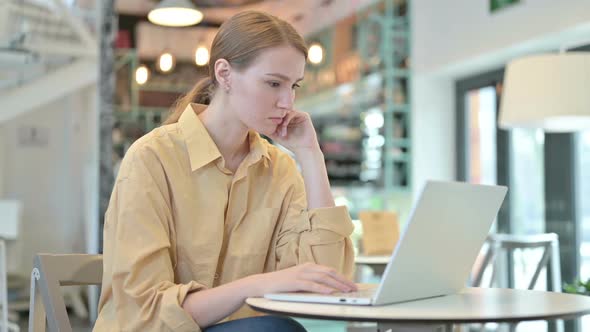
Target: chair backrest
498 243
49 273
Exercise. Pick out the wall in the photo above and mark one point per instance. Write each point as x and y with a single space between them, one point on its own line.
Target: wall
2 161
50 178
454 39
454 31
433 129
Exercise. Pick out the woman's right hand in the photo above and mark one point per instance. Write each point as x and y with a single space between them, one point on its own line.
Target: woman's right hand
307 277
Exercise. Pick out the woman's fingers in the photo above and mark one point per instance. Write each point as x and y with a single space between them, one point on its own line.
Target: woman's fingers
328 280
333 273
286 121
339 277
329 272
314 287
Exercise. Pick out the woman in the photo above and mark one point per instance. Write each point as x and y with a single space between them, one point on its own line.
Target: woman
206 213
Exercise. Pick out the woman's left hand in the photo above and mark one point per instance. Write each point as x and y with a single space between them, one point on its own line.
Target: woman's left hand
296 132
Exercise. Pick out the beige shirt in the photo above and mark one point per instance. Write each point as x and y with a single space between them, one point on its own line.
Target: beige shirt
178 221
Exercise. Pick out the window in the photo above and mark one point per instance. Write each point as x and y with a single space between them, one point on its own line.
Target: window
527 181
583 202
480 106
491 156
527 213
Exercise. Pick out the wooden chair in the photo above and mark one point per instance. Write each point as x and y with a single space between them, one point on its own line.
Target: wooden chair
47 304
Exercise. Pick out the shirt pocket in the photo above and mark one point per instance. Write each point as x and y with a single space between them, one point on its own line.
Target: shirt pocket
254 234
251 240
330 253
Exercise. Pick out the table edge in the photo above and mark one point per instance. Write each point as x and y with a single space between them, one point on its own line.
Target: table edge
427 321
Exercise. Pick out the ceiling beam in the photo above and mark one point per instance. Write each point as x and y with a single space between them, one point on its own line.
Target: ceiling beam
44 90
87 38
55 47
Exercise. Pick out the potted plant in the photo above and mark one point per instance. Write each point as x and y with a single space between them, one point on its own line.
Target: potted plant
577 287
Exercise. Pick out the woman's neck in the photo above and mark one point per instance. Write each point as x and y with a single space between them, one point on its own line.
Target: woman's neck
228 133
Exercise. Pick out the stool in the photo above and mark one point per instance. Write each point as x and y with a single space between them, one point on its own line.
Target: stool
497 244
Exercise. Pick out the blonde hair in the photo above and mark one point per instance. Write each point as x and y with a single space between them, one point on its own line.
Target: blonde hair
239 41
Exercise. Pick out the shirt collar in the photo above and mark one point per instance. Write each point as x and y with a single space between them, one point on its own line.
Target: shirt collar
201 147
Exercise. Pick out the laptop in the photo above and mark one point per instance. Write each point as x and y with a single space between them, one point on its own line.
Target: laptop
447 227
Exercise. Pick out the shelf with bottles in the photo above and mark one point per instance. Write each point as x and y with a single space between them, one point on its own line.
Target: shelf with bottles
364 88
364 160
146 117
353 147
340 141
142 105
360 139
360 95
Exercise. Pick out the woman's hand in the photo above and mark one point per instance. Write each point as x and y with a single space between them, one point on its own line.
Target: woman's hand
306 277
296 132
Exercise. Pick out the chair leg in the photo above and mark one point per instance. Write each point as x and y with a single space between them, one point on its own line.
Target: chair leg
13 316
93 295
37 314
555 265
488 257
75 300
542 263
3 288
512 327
13 327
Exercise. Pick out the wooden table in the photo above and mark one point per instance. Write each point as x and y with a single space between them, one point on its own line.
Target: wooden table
472 305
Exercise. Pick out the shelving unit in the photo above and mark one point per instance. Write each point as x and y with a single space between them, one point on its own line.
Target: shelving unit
141 108
358 98
366 91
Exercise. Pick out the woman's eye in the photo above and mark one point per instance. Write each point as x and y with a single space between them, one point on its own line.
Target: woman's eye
274 84
296 86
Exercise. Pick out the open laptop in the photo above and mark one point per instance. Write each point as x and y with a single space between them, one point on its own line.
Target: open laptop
446 230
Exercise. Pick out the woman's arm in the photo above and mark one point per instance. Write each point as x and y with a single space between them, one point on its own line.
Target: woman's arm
209 306
297 134
315 176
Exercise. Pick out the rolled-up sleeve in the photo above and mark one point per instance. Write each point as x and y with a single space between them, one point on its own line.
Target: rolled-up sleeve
138 252
321 235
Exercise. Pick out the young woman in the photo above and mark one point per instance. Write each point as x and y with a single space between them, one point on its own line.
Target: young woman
206 213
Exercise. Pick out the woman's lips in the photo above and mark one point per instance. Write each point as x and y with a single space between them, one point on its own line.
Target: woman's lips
276 120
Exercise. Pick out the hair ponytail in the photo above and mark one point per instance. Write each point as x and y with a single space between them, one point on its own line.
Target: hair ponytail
201 93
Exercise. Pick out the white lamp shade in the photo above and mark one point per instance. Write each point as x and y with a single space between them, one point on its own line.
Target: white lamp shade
548 92
175 13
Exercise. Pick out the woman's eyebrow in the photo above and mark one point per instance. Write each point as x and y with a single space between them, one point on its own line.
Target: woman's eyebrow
283 77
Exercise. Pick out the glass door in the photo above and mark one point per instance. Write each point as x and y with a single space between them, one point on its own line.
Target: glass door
489 155
480 115
583 161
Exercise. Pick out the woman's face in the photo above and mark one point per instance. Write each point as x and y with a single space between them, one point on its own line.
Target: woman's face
264 92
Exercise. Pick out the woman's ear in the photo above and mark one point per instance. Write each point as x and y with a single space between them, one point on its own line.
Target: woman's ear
223 74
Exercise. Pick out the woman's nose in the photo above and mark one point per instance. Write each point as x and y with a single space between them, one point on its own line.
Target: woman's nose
286 100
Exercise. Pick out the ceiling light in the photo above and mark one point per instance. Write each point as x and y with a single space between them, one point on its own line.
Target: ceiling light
166 62
201 56
315 54
142 74
175 13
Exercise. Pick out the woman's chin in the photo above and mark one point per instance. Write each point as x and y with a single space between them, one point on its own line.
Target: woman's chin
265 131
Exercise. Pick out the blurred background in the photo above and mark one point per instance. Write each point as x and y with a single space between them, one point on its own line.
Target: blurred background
400 91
